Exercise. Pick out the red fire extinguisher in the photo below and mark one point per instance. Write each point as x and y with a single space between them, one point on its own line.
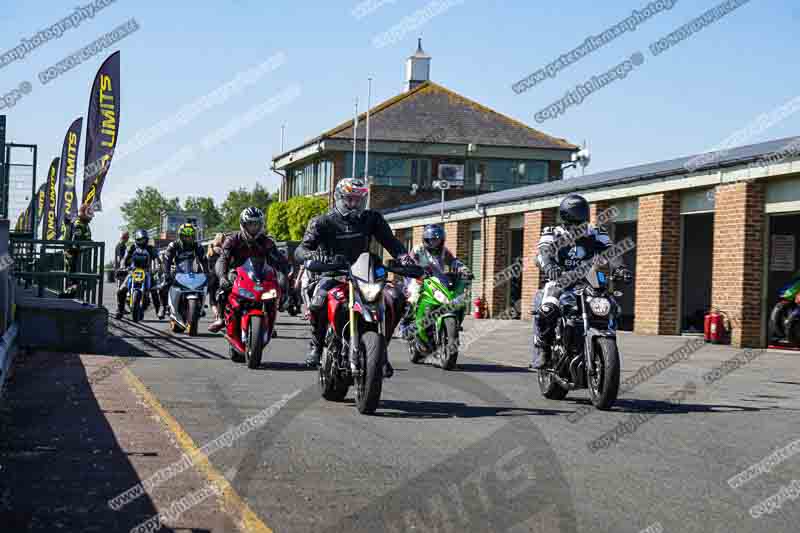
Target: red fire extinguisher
479 309
714 328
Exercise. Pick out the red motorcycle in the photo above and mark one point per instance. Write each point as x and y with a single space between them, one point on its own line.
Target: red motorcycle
250 314
359 321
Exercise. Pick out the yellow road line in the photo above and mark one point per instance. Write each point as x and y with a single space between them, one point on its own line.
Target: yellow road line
232 504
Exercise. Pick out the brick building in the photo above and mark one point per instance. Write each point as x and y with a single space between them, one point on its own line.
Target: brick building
424 134
711 230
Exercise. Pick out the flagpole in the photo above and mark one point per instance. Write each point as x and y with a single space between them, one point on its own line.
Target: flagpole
355 135
366 154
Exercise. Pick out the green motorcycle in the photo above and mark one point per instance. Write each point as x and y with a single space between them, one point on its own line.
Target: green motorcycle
784 320
437 319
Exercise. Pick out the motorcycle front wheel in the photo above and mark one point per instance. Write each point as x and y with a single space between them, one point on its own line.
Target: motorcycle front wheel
136 306
255 341
192 317
792 327
604 385
370 383
448 347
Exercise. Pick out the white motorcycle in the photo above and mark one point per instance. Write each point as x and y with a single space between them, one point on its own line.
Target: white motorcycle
186 299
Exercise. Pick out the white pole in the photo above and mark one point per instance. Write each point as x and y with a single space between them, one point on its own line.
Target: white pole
366 153
355 135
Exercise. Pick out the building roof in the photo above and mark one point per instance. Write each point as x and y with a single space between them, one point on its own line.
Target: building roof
413 115
661 169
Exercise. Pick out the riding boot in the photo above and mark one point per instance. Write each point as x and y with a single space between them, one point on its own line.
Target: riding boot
316 344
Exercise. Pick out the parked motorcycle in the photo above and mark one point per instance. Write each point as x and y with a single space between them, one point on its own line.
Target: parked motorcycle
354 351
139 284
584 352
185 299
437 319
250 314
784 320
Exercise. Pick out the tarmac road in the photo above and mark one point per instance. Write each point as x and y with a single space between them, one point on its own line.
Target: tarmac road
475 448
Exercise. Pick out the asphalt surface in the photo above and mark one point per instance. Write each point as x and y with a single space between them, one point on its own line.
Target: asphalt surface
475 448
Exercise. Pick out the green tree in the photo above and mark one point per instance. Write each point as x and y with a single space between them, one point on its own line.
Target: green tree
144 210
278 223
238 200
300 210
211 215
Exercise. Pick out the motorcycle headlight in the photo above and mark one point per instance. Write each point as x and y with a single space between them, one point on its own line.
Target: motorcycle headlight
244 293
600 306
441 297
370 291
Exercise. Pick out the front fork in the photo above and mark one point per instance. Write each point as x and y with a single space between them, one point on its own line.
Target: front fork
588 347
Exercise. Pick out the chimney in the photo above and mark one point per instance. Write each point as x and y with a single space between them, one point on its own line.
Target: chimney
418 68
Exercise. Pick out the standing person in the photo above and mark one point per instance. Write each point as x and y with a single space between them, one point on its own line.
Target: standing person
119 252
212 256
250 241
78 231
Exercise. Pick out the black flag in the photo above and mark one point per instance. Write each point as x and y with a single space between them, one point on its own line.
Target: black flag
102 127
67 204
50 197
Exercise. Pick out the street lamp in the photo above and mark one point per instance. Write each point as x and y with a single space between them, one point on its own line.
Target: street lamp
442 185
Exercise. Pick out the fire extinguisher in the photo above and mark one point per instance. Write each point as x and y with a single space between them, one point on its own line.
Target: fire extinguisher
479 309
714 328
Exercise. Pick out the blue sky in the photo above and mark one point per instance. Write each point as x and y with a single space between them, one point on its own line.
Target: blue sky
686 100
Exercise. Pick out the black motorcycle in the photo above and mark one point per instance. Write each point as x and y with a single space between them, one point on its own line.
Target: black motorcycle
584 352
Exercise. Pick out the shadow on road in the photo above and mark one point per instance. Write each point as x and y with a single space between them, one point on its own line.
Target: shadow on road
61 461
666 407
492 368
415 409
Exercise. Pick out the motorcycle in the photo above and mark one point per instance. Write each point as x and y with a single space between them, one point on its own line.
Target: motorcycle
185 299
294 301
354 351
139 285
784 320
251 310
437 319
584 352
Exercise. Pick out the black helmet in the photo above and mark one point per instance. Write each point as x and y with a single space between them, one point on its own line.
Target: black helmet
350 197
140 238
251 222
433 237
574 209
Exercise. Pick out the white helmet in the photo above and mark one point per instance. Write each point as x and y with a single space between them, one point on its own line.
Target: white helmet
251 222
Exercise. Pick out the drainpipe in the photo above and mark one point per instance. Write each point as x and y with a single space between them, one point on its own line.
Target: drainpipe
481 209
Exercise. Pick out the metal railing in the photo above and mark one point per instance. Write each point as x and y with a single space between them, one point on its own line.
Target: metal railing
46 265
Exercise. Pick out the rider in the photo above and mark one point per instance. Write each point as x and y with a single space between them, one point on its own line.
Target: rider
79 231
346 230
562 249
430 254
185 247
250 241
141 247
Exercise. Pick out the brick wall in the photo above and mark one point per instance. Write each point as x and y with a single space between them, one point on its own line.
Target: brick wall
658 264
599 207
417 236
496 259
458 238
738 258
532 277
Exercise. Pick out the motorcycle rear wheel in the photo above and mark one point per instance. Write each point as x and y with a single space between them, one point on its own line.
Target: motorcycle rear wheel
604 387
370 383
792 326
777 318
255 342
330 385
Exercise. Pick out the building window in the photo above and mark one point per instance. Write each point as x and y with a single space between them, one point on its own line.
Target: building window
499 174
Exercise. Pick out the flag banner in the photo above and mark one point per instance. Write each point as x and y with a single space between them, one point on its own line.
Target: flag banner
49 213
67 206
102 127
41 194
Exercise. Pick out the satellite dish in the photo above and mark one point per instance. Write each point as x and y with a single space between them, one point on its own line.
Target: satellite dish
442 185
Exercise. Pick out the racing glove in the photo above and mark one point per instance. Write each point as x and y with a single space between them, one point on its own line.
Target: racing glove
406 260
553 272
